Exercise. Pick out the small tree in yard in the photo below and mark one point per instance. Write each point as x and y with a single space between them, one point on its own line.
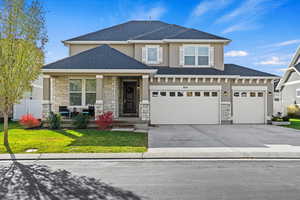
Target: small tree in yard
22 40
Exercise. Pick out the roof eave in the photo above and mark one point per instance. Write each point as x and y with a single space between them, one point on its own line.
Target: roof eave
113 71
67 42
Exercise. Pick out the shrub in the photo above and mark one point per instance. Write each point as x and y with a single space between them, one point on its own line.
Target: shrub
29 121
54 120
293 110
81 121
286 118
105 120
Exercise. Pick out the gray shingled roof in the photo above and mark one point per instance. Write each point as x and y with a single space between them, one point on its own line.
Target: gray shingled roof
145 30
229 70
298 67
102 57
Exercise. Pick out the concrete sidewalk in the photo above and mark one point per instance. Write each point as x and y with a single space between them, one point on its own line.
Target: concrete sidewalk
270 152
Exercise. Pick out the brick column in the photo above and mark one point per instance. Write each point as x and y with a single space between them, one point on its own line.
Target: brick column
46 107
99 95
145 104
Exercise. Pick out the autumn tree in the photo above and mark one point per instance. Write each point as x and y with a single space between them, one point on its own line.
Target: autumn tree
22 40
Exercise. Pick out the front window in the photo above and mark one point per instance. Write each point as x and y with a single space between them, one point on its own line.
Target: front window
196 55
82 92
90 91
75 92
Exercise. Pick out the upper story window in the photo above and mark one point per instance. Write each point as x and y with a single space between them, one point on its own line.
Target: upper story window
82 92
152 54
196 55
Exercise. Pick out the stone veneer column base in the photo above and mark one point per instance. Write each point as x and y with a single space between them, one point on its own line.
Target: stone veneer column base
46 109
145 110
99 108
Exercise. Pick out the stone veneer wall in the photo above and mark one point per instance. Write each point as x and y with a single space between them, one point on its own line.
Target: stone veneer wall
60 92
110 95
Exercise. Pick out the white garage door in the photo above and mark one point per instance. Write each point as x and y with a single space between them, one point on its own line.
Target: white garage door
185 105
249 106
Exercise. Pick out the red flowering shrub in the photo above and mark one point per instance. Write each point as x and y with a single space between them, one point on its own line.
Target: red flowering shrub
105 120
29 121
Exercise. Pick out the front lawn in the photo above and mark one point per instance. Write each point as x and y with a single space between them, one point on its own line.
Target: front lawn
72 141
295 123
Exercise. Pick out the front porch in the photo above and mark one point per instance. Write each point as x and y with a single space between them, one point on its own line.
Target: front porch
125 95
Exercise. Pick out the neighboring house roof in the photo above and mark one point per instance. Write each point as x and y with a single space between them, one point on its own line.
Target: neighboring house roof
297 67
145 30
102 57
229 70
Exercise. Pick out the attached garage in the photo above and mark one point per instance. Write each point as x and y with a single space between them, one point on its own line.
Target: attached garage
185 104
249 105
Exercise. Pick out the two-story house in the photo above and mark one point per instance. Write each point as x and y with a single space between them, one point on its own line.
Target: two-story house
160 73
289 85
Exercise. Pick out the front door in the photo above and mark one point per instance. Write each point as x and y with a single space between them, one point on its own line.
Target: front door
129 97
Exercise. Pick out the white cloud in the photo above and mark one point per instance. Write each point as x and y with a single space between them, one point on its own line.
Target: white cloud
247 8
281 70
246 25
284 43
246 16
273 61
236 53
206 6
209 5
143 13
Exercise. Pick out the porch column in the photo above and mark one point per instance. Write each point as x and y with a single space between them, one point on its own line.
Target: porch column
145 104
46 107
99 95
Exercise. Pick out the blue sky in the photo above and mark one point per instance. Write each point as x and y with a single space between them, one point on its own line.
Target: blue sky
264 33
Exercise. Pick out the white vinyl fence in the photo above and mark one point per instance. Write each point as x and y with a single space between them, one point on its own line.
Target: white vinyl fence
28 106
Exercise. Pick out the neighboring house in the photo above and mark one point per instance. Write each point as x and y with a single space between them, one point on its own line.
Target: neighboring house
289 85
160 73
32 101
30 104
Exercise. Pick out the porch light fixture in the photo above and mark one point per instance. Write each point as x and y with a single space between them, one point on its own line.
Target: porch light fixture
225 93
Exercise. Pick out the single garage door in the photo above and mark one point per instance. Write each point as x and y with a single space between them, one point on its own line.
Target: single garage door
185 105
249 106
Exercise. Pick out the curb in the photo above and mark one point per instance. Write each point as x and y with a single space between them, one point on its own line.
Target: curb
148 155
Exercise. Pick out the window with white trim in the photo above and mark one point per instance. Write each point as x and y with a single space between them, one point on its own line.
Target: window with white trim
152 54
196 55
298 93
82 92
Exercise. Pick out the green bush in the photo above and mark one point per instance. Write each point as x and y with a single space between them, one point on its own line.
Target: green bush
81 121
54 120
293 110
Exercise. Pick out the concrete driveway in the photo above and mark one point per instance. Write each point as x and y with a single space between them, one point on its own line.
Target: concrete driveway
166 136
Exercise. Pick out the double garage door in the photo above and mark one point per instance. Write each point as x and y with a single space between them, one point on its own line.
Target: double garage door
201 105
185 105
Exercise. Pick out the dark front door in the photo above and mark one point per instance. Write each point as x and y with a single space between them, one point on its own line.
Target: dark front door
129 97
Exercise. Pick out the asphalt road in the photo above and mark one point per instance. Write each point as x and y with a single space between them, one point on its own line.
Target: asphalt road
161 179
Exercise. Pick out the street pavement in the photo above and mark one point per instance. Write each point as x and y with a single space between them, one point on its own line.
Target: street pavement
157 179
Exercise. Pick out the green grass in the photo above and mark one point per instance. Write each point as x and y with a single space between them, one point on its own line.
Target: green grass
72 141
295 123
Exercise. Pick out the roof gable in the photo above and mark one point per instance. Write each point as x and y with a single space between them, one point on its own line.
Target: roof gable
102 57
145 30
